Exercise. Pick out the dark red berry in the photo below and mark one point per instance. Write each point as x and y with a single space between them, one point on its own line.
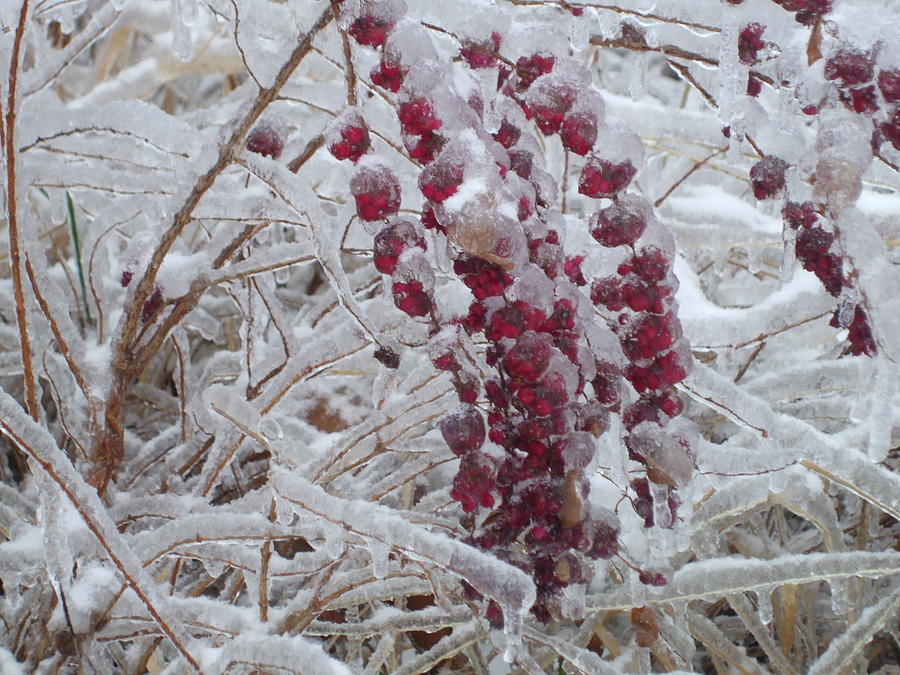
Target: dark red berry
387 357
579 132
417 117
767 177
850 66
370 30
463 430
889 84
265 140
348 137
508 134
410 297
529 68
618 224
750 43
376 191
602 178
481 54
391 241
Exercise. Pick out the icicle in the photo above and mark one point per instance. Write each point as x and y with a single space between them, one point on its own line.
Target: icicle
764 599
380 558
637 88
512 633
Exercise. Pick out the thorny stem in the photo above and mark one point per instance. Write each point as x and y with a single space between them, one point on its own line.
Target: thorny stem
109 448
15 244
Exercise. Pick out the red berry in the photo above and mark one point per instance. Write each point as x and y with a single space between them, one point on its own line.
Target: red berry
508 134
265 140
370 30
376 191
889 84
391 241
767 177
532 67
579 132
463 430
417 117
410 297
602 178
348 136
618 224
750 42
851 66
481 54
387 74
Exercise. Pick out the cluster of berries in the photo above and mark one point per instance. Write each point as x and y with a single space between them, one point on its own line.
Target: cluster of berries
525 434
814 249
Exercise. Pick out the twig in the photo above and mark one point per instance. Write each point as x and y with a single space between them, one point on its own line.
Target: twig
690 172
15 245
350 72
108 449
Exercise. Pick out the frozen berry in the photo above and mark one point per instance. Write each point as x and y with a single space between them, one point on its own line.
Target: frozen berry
602 178
265 140
767 177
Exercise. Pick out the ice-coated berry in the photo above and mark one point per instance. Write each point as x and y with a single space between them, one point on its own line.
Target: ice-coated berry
850 66
812 248
265 140
548 103
889 84
508 134
579 132
859 333
529 68
391 241
798 215
411 297
481 54
440 180
417 117
602 178
348 137
463 430
617 224
370 30
484 278
424 148
860 99
750 43
529 356
474 482
376 191
387 74
767 177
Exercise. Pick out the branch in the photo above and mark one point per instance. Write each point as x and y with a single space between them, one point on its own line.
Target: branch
109 448
15 245
36 442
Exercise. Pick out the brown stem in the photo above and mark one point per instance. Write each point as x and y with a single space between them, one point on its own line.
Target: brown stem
350 72
109 448
15 245
690 172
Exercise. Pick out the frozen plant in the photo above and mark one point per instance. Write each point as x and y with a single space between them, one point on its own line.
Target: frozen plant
385 336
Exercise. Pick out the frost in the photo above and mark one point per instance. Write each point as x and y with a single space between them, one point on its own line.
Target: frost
259 256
